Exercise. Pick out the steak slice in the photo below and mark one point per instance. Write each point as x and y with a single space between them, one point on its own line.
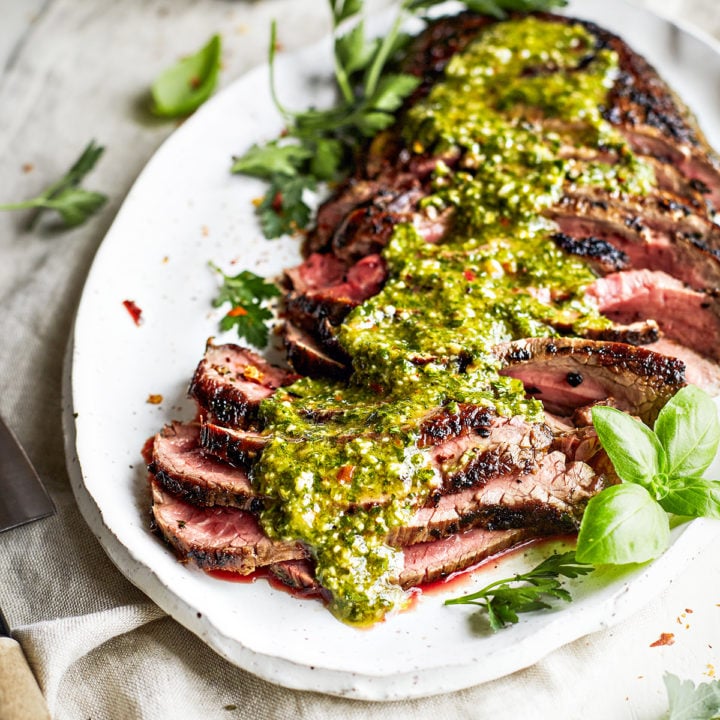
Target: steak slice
235 446
698 370
565 373
231 540
217 538
505 446
181 468
549 499
231 381
426 562
685 256
309 357
322 287
690 317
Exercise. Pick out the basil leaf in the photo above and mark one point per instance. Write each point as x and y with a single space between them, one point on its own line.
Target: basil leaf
693 497
623 524
185 86
634 450
689 430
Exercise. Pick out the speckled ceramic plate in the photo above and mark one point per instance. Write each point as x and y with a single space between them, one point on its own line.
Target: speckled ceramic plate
186 209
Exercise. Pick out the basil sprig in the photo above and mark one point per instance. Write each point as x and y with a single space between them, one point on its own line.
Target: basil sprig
661 470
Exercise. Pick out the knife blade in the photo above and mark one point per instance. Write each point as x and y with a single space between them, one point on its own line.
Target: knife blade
22 496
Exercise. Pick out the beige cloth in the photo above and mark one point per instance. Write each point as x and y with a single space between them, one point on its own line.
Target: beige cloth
98 646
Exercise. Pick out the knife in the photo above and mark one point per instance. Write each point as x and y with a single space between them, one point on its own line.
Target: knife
22 496
22 500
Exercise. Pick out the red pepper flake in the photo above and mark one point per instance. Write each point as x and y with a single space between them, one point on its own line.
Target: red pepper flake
469 275
194 82
154 399
237 311
134 310
688 610
277 203
664 639
345 473
28 167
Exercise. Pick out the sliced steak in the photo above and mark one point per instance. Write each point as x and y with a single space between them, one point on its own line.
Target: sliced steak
231 381
318 290
473 458
181 468
565 374
698 370
217 538
429 561
549 499
690 317
307 357
685 256
235 446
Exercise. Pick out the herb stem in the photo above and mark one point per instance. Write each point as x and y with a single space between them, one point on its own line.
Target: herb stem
375 70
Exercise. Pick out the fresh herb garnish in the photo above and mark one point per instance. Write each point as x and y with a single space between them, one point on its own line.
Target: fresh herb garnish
691 702
662 473
73 203
502 600
319 145
185 86
247 294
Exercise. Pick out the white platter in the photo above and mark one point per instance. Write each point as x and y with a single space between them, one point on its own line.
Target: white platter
186 209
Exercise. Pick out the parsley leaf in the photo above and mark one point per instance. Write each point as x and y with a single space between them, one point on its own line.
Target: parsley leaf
690 702
74 204
247 294
320 145
182 88
502 600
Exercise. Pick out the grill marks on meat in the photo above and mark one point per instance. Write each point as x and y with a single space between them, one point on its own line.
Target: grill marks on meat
217 538
181 468
230 382
504 481
689 317
566 373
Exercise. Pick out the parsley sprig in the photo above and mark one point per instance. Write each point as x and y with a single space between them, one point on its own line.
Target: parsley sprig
247 294
319 145
73 203
502 600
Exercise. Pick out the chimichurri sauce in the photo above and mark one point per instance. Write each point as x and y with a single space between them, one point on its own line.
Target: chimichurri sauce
343 466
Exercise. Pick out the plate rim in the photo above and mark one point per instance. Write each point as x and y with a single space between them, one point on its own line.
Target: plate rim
282 670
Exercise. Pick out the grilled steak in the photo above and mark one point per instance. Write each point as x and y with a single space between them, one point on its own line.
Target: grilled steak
616 204
230 382
566 374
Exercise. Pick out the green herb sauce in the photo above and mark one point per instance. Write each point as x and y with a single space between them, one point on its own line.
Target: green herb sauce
343 466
